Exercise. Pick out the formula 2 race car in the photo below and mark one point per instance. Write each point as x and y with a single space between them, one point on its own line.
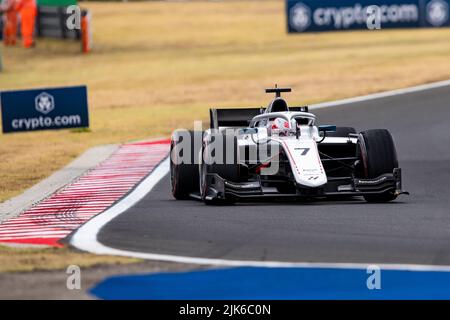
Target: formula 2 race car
279 152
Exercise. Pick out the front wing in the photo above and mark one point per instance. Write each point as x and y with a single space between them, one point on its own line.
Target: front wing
221 189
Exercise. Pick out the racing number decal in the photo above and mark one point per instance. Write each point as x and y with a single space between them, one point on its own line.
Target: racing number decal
305 151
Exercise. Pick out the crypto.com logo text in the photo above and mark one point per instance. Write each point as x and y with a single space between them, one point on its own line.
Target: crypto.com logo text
302 17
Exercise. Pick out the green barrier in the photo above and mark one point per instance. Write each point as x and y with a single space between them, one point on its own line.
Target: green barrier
57 3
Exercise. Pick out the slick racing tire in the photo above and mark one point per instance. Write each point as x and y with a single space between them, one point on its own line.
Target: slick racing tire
184 172
227 171
378 156
341 132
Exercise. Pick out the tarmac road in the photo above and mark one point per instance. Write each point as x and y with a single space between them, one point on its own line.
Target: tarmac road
414 229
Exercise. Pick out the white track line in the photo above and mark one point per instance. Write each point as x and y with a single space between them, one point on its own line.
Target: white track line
86 237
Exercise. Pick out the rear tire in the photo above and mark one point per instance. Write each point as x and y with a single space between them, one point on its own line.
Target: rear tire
184 174
378 156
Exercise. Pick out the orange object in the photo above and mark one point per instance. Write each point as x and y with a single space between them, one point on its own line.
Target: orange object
9 22
28 11
86 36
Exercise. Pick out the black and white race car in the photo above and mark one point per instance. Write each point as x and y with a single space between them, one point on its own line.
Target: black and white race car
278 152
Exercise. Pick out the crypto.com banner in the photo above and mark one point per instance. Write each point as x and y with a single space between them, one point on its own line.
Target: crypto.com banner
43 109
323 15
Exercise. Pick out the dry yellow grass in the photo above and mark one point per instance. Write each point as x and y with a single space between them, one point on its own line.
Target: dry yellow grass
159 65
26 260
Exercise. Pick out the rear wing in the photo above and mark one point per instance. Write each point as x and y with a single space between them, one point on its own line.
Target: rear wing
239 117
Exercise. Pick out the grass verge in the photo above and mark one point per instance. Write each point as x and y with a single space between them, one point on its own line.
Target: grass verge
27 260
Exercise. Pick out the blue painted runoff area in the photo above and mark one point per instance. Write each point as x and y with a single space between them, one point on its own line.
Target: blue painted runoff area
252 283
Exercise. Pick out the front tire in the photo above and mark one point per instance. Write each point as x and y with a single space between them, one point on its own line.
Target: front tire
227 171
378 156
184 171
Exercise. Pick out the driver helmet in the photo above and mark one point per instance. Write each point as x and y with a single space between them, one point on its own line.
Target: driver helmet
280 125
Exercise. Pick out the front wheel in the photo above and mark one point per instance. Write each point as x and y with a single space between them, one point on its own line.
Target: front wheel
184 162
228 170
378 156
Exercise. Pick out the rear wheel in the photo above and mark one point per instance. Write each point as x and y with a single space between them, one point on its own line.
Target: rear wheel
378 156
184 163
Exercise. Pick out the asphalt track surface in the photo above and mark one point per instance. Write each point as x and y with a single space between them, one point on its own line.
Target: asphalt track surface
414 229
